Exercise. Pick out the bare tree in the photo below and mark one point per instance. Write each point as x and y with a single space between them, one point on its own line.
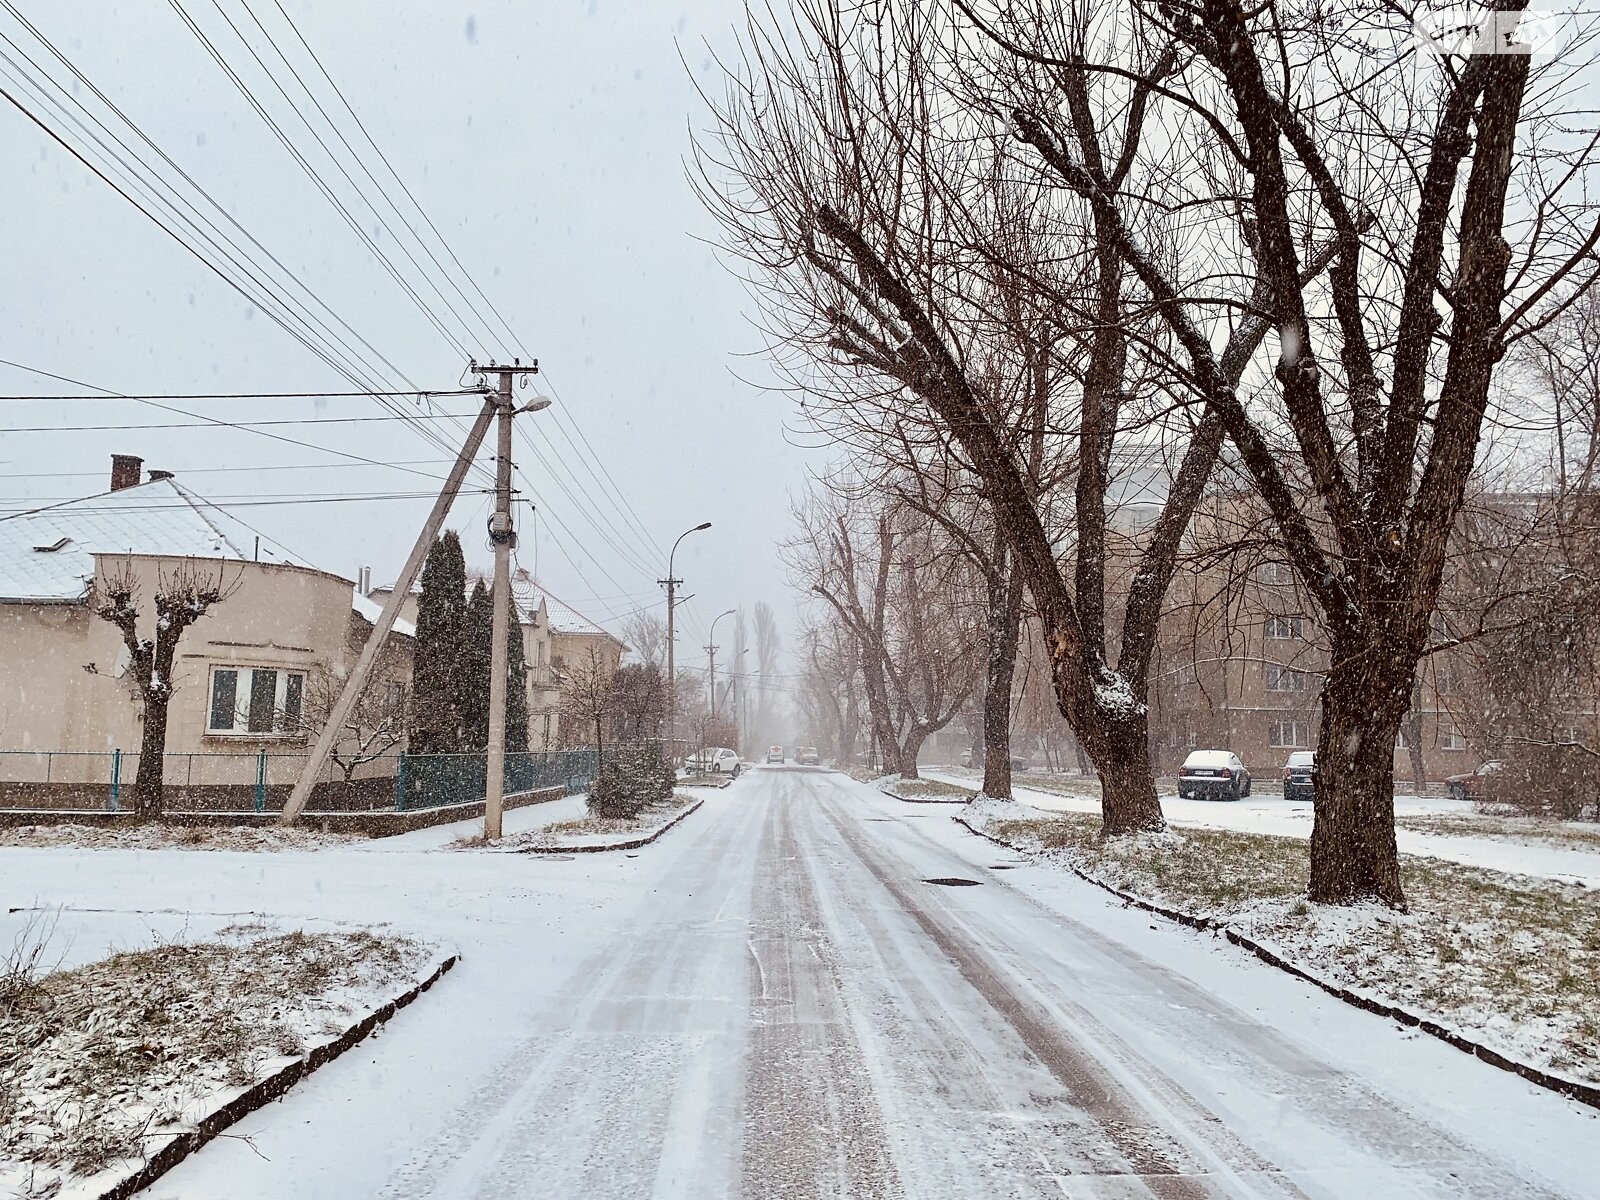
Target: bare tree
587 698
646 635
908 602
375 725
1360 209
183 594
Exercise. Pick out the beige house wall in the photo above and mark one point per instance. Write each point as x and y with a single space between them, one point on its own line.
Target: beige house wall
69 690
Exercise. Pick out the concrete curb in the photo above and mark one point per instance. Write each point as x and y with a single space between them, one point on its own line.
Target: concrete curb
1584 1093
631 844
271 1088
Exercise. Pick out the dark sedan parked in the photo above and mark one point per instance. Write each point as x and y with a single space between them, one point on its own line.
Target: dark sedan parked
1298 775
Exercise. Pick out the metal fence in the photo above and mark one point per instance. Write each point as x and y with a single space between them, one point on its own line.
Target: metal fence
261 780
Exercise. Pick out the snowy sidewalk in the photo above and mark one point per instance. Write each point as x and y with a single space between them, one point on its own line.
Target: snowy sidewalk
1292 818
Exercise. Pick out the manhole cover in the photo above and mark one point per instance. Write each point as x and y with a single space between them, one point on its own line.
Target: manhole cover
953 882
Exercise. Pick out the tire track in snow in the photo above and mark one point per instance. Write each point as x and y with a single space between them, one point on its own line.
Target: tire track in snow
605 1102
812 1126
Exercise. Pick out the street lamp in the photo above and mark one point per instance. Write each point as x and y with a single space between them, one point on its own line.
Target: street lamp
672 583
711 661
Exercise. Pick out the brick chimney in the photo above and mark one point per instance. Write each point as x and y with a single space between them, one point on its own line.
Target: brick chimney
125 470
155 476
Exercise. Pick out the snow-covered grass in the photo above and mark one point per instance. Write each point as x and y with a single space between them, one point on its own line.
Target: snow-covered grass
1528 830
1511 960
153 835
927 789
100 1064
585 829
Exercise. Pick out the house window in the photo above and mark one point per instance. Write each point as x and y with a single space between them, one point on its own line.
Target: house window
544 650
1289 735
1401 742
1447 681
255 700
1277 574
1453 739
1287 679
1286 629
394 698
1568 735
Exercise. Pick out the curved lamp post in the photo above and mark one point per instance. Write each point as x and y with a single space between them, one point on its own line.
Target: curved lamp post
672 583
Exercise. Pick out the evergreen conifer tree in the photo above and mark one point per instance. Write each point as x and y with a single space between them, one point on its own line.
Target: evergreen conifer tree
472 695
516 687
436 725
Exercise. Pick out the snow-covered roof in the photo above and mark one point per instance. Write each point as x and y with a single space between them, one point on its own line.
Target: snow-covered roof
370 610
562 617
566 619
48 554
1209 758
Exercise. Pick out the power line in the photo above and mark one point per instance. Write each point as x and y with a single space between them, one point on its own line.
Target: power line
277 437
201 424
292 310
253 395
185 472
122 508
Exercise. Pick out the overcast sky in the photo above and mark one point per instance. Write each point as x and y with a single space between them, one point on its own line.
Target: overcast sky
546 141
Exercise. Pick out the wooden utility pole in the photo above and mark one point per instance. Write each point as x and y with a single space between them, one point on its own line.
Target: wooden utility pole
357 681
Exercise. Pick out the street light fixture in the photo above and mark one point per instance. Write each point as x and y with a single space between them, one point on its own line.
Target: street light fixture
711 655
672 583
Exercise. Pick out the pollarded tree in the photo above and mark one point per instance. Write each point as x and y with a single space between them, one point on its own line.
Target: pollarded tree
183 594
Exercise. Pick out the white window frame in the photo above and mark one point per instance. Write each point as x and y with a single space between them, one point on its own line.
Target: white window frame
1277 574
1452 740
1294 741
1277 676
244 685
1286 629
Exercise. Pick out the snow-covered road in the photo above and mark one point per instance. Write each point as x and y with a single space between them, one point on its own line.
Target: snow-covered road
772 1001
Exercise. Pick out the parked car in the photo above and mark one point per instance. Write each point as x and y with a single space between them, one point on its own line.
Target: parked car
774 754
1213 775
807 756
1298 773
714 761
1018 763
1475 785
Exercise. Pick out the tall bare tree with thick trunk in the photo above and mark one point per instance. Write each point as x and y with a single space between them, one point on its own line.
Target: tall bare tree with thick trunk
1230 177
892 234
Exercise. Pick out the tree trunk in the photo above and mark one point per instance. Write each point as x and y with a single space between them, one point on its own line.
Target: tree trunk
1419 780
1353 853
847 732
908 751
1119 749
148 784
1005 619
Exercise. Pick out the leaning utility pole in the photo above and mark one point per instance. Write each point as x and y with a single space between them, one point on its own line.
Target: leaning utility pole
357 681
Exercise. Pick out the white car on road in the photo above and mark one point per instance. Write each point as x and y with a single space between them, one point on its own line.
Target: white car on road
774 754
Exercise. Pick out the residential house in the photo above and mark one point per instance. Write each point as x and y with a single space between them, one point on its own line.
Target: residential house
250 675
